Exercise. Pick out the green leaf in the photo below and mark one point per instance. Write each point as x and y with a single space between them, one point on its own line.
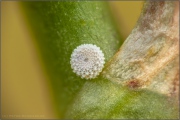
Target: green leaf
59 27
102 99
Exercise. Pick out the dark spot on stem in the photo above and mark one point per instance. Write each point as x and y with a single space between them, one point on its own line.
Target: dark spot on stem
133 84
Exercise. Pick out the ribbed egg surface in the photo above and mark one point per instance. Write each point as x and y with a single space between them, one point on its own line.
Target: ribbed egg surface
87 61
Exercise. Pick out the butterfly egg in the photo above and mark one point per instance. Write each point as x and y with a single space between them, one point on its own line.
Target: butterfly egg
87 61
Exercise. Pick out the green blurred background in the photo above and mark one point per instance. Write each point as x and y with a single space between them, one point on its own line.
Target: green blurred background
25 92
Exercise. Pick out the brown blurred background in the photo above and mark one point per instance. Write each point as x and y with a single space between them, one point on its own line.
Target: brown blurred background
24 91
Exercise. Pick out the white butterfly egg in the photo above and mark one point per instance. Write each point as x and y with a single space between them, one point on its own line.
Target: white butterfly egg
87 61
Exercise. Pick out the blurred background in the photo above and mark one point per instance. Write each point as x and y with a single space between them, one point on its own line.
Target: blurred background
25 92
